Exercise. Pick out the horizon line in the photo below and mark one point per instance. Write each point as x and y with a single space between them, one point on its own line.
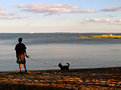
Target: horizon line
55 32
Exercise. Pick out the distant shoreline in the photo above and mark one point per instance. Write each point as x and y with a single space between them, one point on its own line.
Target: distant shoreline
104 36
60 32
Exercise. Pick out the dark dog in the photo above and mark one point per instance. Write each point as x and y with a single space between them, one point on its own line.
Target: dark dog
66 67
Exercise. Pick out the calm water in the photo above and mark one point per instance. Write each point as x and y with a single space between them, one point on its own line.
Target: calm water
47 50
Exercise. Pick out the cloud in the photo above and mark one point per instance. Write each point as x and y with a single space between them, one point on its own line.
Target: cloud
1 8
13 17
50 9
112 15
108 21
112 9
6 14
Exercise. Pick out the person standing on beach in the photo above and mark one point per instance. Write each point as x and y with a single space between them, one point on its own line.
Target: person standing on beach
20 54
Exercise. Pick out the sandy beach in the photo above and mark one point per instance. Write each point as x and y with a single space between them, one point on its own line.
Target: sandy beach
75 79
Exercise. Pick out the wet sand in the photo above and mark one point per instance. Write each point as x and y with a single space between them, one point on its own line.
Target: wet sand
74 79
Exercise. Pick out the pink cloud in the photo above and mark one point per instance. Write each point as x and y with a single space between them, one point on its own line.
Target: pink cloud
50 9
1 7
13 17
112 15
112 9
95 20
6 14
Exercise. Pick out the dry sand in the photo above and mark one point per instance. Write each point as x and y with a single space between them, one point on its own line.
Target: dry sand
75 79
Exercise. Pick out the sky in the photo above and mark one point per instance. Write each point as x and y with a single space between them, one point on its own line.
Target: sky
48 16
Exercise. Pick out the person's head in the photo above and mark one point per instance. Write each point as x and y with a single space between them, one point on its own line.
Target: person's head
20 40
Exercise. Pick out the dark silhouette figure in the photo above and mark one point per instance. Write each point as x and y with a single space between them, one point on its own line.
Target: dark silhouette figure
20 54
65 67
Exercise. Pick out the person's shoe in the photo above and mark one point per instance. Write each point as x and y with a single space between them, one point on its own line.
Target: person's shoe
20 72
26 71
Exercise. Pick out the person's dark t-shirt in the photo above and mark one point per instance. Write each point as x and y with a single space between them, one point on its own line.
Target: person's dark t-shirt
20 50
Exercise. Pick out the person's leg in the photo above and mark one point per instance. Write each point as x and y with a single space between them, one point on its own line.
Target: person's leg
25 67
20 68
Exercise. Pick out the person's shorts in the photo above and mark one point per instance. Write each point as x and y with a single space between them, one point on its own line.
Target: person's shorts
21 60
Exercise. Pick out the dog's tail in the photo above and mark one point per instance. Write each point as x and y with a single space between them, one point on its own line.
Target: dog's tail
68 64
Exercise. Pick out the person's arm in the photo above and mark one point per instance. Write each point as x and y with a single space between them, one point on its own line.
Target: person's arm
25 53
16 50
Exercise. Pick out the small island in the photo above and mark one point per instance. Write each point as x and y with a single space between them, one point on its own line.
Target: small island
105 36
